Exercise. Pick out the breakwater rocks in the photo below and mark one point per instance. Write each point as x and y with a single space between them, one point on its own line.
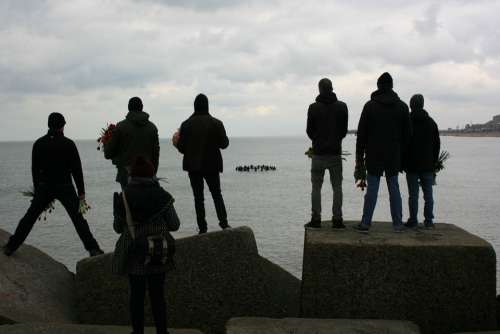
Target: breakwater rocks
444 280
255 168
40 328
34 287
218 276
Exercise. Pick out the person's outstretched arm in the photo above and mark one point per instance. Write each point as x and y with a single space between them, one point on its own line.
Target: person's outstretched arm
76 170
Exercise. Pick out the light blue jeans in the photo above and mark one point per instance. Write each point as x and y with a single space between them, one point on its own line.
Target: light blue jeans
426 180
319 164
373 183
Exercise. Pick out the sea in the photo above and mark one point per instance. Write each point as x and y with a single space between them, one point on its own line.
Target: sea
274 204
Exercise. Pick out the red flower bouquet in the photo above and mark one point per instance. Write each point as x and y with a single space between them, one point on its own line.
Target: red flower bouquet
106 134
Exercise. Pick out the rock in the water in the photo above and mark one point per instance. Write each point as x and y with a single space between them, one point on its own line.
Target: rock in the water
34 287
323 326
219 275
80 329
444 280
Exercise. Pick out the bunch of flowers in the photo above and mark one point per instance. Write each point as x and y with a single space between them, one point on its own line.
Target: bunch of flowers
360 175
439 166
106 134
83 207
48 209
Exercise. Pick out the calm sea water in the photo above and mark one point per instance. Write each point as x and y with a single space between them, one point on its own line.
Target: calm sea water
274 204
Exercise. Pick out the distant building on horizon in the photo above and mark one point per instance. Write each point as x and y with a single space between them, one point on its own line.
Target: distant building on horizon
493 125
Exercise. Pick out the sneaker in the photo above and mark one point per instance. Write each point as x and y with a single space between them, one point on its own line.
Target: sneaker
429 225
398 228
411 224
338 223
313 224
361 228
202 230
7 250
95 252
224 225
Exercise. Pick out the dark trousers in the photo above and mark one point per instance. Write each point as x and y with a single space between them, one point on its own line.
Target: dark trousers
45 194
155 285
213 182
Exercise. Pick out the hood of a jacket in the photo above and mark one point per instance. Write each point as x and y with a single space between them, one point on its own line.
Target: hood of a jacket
329 98
201 105
385 96
419 115
139 118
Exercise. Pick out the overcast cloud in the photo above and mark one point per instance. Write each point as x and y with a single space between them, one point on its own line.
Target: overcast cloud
258 61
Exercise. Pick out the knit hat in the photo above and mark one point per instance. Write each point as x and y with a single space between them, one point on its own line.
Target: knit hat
56 121
201 104
417 102
325 86
142 167
384 81
135 104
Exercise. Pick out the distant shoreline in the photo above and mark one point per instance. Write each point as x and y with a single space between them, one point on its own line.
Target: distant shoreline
470 134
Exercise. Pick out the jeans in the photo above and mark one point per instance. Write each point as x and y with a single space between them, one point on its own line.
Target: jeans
43 196
426 180
373 183
155 285
213 182
318 166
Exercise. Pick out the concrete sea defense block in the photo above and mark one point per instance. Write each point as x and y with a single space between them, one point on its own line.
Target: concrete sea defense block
218 276
34 287
318 326
443 279
39 328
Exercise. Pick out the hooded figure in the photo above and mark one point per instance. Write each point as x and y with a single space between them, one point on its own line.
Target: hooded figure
201 137
135 136
382 139
326 127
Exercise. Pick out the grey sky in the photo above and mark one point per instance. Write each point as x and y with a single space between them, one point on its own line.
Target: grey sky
258 61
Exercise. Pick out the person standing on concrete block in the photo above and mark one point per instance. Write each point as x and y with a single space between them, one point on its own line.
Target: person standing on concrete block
135 136
55 162
420 161
382 137
326 127
200 139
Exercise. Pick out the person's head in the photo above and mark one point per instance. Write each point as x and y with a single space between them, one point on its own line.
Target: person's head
142 167
417 102
56 121
135 104
384 82
325 86
201 104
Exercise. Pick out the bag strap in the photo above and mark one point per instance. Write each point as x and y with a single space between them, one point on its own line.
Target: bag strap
128 216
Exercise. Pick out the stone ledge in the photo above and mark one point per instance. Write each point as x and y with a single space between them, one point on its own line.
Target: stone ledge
80 329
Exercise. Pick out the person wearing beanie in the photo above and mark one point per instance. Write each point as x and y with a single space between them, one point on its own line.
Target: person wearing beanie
134 136
326 127
420 160
55 164
153 213
382 139
200 139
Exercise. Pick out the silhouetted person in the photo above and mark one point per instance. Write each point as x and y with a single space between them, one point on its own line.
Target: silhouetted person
201 137
383 134
326 127
135 136
153 213
420 161
55 162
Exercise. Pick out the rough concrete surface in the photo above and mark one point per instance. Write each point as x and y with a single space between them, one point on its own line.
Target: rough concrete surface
79 329
34 287
443 279
218 276
318 326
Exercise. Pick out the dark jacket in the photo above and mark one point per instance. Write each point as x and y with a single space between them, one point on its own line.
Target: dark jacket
55 160
153 211
423 150
201 137
383 133
133 136
327 124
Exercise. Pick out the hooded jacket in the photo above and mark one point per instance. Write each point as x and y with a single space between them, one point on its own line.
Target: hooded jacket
133 136
383 133
327 124
201 137
423 150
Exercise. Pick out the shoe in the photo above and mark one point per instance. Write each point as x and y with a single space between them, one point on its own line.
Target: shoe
411 224
7 250
224 225
361 228
399 228
202 231
429 225
313 224
95 252
338 223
